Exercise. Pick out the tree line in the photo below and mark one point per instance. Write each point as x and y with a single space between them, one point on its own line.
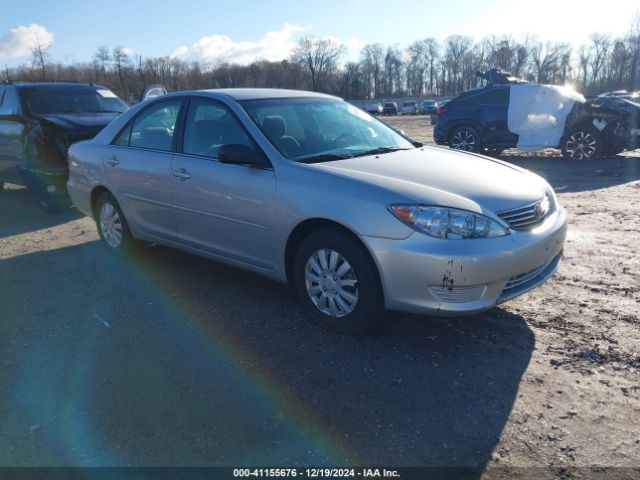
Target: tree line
426 67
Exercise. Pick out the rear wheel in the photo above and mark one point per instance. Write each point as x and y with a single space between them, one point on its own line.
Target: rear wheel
465 138
112 226
337 283
582 143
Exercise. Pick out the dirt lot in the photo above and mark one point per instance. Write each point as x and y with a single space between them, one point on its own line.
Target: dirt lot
175 360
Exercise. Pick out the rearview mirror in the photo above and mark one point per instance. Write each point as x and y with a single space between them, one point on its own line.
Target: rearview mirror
241 155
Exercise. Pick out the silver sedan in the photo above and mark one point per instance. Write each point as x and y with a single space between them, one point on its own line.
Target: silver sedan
307 189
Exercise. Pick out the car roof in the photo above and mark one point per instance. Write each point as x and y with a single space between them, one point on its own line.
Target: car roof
240 94
474 91
22 85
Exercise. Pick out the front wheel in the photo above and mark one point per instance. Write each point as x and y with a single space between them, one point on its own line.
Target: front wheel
338 283
583 143
112 226
466 139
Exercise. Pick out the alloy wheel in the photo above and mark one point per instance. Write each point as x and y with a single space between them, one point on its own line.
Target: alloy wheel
110 225
464 140
331 283
581 145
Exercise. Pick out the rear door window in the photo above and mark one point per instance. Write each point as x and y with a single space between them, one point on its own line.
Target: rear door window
152 129
496 96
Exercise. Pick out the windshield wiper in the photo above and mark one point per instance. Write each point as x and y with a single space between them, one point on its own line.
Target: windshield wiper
325 157
379 150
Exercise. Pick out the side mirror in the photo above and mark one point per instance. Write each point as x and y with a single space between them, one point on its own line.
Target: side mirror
239 154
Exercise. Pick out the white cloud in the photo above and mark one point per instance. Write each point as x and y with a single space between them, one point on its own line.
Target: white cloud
20 40
128 51
354 45
180 51
272 46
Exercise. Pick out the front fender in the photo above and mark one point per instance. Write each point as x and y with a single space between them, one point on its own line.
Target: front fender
44 146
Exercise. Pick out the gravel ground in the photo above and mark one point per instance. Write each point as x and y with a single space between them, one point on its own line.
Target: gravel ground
169 359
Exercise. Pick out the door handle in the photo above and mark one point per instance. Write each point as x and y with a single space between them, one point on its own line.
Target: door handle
113 160
182 174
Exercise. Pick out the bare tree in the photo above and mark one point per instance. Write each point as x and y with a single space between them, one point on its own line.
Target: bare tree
456 48
120 60
600 47
102 57
547 60
39 55
319 57
372 65
393 71
584 59
634 46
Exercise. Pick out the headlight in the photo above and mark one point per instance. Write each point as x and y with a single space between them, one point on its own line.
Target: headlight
451 223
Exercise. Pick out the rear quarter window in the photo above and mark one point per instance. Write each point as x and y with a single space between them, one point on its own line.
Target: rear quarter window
153 128
496 96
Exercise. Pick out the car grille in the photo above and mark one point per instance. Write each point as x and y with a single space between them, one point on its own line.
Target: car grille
459 294
527 216
523 282
524 277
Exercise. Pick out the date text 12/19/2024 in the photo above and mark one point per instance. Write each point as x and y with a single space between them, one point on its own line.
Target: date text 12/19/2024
315 472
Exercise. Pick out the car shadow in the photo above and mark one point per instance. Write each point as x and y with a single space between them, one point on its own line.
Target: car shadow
572 176
19 213
169 359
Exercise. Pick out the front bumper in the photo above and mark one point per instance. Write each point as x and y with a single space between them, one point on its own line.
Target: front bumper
421 274
48 184
439 136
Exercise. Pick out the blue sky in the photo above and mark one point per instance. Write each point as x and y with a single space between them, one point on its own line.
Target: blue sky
239 30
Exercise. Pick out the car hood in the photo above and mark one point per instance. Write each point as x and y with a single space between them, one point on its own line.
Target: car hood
437 176
84 125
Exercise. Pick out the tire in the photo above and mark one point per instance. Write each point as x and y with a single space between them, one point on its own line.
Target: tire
582 144
113 230
465 138
1 187
353 307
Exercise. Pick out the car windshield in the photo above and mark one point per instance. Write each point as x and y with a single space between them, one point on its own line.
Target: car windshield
46 100
635 101
318 129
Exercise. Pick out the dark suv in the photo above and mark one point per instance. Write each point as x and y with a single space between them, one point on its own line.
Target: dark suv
38 122
478 121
